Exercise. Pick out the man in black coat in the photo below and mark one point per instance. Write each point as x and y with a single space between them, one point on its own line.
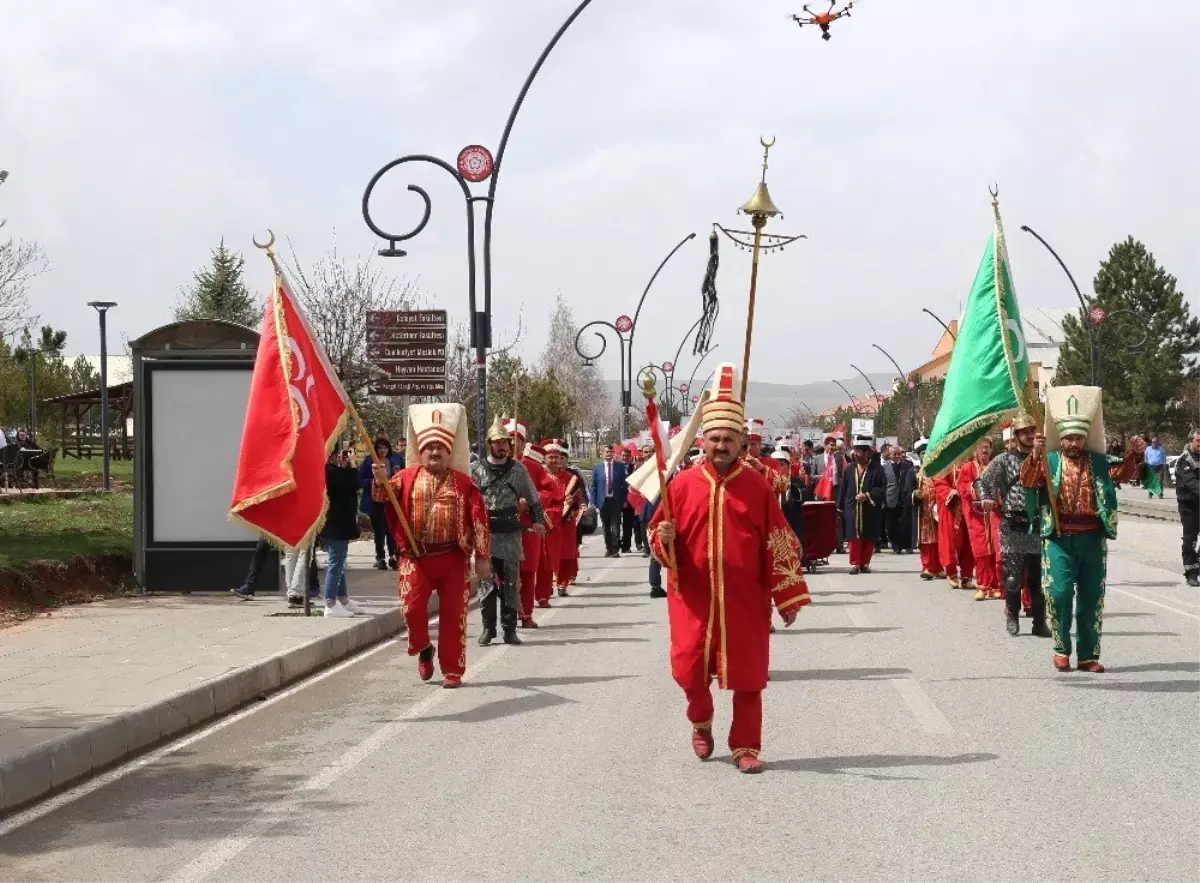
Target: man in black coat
1187 495
862 495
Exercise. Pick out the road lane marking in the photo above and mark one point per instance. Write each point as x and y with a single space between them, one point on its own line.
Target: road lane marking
1155 603
225 850
911 692
83 789
922 707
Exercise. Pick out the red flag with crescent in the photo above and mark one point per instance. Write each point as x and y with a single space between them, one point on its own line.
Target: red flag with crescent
296 411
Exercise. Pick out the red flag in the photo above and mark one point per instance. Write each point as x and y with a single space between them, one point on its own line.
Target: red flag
296 411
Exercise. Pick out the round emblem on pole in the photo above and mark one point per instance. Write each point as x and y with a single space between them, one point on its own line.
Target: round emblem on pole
912 384
695 399
475 163
1097 315
683 388
624 324
668 367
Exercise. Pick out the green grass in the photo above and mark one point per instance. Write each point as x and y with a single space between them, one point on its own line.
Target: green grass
76 473
60 529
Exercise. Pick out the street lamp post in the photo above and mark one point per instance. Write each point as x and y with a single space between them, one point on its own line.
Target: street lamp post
853 400
692 377
953 336
1086 314
625 329
909 385
475 164
102 307
874 391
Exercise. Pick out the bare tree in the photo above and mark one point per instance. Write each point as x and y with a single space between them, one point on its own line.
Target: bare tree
20 263
337 294
583 383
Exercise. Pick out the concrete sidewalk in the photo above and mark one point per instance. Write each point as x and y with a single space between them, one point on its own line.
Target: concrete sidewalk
94 684
1136 501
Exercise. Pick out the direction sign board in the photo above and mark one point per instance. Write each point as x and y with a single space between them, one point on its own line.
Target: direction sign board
408 350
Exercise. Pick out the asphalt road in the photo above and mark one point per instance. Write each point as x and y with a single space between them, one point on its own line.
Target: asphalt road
907 737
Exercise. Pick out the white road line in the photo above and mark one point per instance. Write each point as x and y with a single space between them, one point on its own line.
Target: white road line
859 618
914 695
1155 603
221 853
922 707
71 795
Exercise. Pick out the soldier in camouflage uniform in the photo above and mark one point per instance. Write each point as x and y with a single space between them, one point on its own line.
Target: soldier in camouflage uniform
504 482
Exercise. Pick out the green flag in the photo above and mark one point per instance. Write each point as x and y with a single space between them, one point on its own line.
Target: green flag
988 367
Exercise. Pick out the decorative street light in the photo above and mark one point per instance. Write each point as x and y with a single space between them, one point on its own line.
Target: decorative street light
1090 315
102 307
874 391
691 377
853 400
908 384
474 165
625 329
953 336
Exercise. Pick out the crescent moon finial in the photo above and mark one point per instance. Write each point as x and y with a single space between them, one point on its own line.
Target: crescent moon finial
267 246
765 143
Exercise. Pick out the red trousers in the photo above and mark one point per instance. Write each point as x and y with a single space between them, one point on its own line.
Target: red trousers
930 562
548 564
954 547
531 549
987 572
568 569
449 574
745 733
861 552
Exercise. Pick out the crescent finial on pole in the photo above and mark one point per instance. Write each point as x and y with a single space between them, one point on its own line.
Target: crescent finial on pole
269 245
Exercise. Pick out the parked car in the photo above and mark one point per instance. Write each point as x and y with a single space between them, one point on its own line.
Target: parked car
1171 461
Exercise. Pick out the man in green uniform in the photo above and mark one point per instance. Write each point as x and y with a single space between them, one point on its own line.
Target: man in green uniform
1079 516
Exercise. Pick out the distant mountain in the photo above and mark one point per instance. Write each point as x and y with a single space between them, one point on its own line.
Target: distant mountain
770 400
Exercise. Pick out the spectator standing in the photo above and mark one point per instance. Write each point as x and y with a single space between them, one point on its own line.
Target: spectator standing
1187 496
341 526
1156 467
384 541
608 491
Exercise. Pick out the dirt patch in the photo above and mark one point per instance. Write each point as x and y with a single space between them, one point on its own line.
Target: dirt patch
40 587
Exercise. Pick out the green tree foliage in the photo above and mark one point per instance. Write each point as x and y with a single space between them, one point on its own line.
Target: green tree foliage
39 359
1146 347
539 399
218 292
909 413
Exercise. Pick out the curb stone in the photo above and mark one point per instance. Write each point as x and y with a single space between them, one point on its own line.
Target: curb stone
37 772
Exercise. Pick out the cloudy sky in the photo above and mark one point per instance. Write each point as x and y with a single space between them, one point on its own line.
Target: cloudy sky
139 133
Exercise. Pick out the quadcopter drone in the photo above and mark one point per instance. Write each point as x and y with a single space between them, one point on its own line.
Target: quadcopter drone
823 19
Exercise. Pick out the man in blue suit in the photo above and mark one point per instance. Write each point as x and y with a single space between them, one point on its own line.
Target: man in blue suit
608 492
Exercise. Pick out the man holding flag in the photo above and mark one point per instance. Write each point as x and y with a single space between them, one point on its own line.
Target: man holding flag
986 385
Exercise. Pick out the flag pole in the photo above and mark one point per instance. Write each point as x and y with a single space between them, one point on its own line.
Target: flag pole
660 465
364 435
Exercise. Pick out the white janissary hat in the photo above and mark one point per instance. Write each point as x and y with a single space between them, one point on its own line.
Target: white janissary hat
723 410
781 454
1075 410
755 427
863 441
445 422
516 427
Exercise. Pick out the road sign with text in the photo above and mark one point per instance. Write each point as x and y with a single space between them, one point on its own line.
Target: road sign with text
407 348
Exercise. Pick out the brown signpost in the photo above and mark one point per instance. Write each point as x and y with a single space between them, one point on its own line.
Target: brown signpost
408 349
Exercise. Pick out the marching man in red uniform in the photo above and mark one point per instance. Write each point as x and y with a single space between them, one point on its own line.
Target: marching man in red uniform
565 553
729 551
777 474
448 522
531 542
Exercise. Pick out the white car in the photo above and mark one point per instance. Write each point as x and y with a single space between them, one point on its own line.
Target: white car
1171 461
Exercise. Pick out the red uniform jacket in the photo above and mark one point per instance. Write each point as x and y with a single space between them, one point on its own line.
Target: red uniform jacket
474 532
735 554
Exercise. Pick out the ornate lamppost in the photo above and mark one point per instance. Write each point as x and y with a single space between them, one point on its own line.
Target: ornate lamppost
474 165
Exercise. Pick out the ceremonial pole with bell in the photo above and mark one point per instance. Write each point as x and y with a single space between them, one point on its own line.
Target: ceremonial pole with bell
760 208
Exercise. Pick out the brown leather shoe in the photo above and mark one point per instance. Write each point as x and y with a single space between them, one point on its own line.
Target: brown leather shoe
1093 666
748 763
1062 663
702 742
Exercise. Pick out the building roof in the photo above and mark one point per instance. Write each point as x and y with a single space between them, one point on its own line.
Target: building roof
120 368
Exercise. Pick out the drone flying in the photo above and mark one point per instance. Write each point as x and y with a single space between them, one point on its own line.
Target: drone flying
823 19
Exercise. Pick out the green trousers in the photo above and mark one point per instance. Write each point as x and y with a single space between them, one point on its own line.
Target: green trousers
1072 564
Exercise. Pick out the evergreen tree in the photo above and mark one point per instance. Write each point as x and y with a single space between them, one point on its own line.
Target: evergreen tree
218 292
1145 347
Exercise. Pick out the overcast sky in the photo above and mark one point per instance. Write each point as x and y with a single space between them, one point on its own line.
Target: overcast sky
137 134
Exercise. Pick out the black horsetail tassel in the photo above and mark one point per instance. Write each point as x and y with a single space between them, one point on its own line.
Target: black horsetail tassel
711 307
